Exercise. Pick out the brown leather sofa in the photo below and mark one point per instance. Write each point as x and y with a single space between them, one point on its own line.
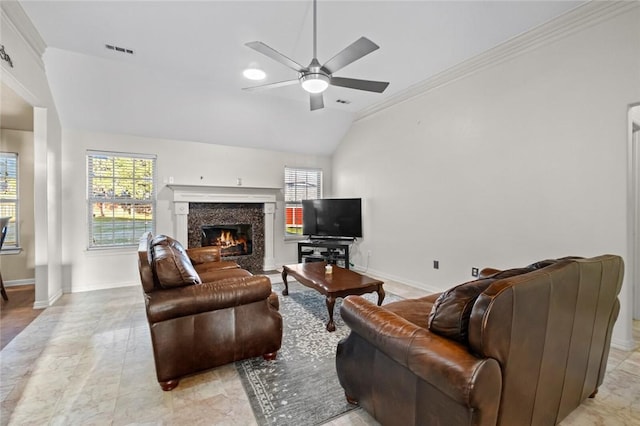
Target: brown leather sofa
203 312
517 347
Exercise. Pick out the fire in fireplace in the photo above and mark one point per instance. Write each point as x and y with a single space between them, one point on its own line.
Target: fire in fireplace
234 240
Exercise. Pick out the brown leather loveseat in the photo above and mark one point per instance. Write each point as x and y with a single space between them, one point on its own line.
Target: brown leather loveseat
517 347
203 312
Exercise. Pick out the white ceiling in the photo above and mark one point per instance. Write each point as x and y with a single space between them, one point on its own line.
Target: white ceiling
184 79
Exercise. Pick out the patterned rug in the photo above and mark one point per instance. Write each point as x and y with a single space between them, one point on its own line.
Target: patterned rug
301 386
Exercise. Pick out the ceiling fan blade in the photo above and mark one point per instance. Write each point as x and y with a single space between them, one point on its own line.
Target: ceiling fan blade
275 55
316 101
271 85
356 50
352 83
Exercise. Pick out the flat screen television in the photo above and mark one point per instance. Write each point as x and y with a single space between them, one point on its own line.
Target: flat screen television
332 217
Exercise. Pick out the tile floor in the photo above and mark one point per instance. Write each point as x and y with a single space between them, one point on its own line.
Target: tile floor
87 360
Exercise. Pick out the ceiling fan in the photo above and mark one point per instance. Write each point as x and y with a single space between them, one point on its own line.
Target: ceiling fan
315 78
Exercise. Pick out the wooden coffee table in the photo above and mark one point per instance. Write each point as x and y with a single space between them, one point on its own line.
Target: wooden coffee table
341 283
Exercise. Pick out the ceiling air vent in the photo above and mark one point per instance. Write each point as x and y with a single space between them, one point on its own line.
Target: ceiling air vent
119 49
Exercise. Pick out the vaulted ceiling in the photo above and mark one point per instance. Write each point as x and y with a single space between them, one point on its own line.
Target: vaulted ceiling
184 79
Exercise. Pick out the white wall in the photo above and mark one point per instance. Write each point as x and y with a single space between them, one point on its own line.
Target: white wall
519 161
27 78
19 267
188 163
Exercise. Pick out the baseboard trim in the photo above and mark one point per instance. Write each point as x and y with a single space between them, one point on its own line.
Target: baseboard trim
15 283
43 304
82 289
399 280
624 344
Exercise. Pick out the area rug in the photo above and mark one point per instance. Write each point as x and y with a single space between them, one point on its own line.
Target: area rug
301 386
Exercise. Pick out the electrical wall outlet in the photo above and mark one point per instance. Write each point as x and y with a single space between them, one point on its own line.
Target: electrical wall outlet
475 272
436 264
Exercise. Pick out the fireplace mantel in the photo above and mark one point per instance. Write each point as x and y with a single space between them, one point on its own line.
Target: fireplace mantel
223 194
185 194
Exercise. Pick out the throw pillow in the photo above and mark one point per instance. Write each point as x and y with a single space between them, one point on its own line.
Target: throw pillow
512 272
171 265
450 313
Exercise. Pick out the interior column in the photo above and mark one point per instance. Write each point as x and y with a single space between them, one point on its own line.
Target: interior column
181 230
269 221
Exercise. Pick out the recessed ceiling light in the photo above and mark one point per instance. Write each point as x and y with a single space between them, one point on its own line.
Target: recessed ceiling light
254 74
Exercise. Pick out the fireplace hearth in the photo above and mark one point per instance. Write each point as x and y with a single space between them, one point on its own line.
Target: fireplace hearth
233 240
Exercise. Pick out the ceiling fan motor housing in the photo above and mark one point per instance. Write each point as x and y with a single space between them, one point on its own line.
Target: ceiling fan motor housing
314 79
314 82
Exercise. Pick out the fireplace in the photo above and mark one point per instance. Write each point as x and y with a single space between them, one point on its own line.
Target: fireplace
195 206
238 228
233 240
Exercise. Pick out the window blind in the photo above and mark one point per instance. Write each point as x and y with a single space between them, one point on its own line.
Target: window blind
299 184
121 197
9 202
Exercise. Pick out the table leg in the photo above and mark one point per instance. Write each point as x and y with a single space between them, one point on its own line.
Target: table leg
285 292
380 294
331 301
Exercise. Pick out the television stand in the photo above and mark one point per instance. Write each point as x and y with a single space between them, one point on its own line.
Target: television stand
336 253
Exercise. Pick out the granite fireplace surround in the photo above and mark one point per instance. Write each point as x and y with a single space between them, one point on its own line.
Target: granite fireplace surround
202 214
198 205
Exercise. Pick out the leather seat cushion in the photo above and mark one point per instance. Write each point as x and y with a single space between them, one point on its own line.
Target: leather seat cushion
413 309
221 274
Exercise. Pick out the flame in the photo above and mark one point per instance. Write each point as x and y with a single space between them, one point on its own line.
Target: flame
226 240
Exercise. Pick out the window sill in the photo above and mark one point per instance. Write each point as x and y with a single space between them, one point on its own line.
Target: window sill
112 250
296 239
11 251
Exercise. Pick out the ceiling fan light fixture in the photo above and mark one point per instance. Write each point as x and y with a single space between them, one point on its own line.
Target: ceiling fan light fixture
254 74
314 83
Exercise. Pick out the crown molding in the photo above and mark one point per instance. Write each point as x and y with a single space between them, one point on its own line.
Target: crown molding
560 27
15 16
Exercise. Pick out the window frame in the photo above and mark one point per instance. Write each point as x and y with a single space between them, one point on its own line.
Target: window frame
115 200
12 243
297 201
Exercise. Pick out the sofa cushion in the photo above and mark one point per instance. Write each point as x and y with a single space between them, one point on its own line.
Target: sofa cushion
413 309
171 265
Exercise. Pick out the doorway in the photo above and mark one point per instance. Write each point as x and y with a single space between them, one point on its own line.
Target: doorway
17 138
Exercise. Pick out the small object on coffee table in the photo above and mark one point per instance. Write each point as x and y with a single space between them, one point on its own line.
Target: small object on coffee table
340 283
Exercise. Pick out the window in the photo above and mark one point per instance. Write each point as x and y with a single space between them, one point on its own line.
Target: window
9 205
299 184
121 198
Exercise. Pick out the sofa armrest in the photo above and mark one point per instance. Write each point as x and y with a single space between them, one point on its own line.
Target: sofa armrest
206 254
443 363
163 305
